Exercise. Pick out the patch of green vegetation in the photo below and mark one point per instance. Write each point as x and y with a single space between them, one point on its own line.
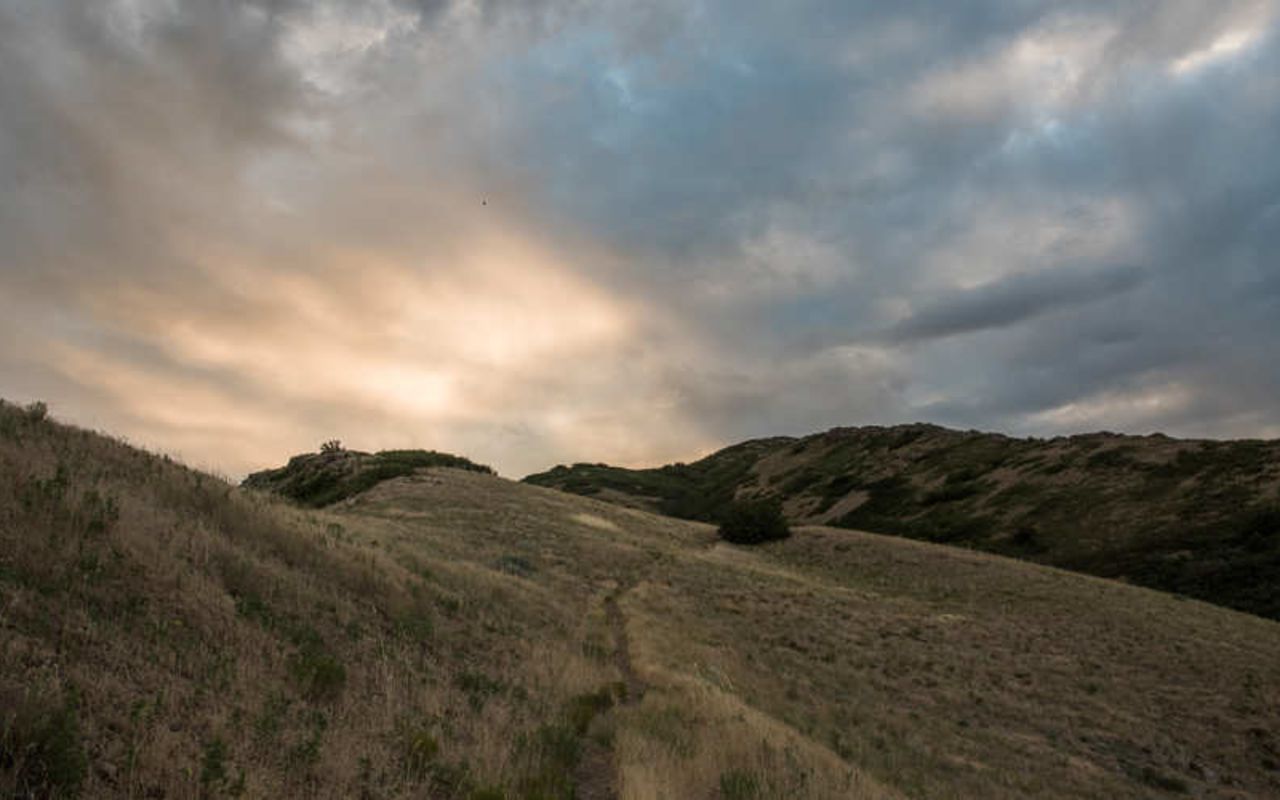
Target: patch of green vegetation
318 674
583 708
700 490
1217 459
318 480
738 784
953 492
40 745
1114 458
419 748
552 752
1162 780
800 480
478 688
753 521
213 764
1259 530
888 499
268 724
519 566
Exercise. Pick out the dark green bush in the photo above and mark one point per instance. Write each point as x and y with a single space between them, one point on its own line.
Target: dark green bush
37 411
753 521
213 766
40 748
1261 529
951 492
519 566
318 674
479 688
553 751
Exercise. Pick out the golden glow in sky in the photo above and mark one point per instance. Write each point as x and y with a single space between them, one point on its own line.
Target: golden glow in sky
544 232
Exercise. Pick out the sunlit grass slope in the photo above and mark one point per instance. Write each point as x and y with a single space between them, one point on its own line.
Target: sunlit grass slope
452 634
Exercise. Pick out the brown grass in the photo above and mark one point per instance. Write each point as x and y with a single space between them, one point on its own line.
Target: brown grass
194 617
429 638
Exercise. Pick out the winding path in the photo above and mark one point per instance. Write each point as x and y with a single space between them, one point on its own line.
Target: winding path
595 777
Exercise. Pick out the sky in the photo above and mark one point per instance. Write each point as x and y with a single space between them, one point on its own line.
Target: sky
553 231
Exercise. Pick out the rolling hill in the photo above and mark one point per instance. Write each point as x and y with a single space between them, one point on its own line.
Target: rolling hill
448 633
1195 517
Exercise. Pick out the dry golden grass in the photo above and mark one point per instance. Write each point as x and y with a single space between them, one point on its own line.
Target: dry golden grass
482 630
215 642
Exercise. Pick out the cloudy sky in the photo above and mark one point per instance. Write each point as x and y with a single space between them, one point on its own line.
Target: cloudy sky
545 231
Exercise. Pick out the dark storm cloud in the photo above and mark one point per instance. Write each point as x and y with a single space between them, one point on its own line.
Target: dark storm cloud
1157 151
634 230
1010 301
118 129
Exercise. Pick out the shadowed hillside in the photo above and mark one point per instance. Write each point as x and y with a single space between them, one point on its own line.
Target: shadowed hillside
451 634
1201 518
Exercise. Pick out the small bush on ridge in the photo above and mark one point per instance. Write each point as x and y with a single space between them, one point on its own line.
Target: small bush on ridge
753 522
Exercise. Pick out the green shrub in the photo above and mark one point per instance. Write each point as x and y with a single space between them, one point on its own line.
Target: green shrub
583 708
554 751
305 752
37 411
319 675
98 513
1261 529
447 779
519 566
753 522
1027 538
40 748
1163 781
213 766
888 500
479 688
738 784
419 748
951 492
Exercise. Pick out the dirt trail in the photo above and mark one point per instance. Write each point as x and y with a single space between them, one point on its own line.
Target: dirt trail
622 648
595 777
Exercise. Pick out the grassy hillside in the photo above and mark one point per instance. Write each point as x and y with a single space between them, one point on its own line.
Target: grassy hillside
452 634
1201 518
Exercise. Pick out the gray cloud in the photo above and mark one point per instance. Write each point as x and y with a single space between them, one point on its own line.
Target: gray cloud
1011 301
559 230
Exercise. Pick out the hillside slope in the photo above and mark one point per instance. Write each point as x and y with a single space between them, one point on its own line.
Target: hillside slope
452 634
1201 518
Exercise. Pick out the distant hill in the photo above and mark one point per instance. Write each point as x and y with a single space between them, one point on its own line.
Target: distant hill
450 634
324 478
1197 517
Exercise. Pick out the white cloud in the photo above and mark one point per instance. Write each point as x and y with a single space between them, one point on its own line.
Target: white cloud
1139 409
1226 46
1036 76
